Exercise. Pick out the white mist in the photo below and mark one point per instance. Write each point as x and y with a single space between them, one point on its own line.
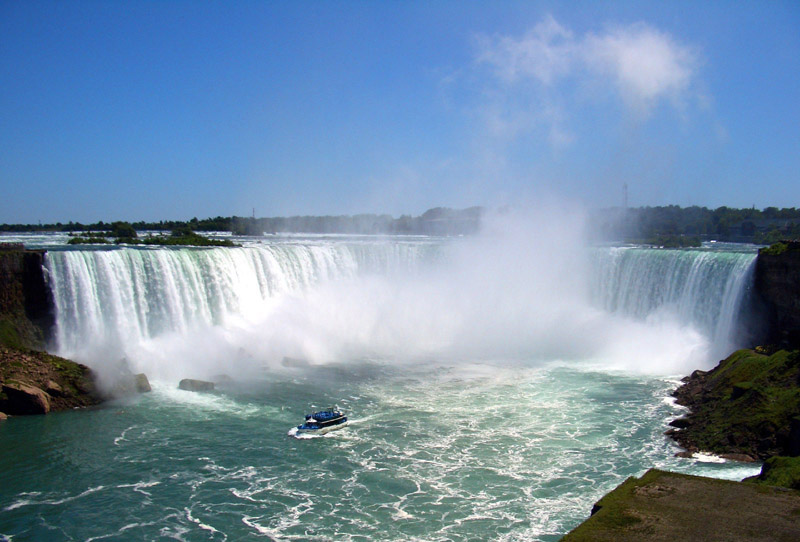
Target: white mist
527 290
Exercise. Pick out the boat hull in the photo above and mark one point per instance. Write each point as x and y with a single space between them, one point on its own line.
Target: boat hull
321 430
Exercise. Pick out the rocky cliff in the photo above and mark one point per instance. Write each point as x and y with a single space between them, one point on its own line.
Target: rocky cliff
26 304
777 283
746 408
32 381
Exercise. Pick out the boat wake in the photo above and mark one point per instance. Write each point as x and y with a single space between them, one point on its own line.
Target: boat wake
305 436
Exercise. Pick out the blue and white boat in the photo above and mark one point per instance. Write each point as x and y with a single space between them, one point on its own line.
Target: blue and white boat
324 421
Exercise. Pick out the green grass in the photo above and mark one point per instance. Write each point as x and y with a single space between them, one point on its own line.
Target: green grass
185 238
610 512
17 332
8 334
781 471
774 249
193 240
750 397
87 241
672 506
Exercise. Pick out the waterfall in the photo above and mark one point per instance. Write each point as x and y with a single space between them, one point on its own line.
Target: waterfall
339 299
127 295
702 288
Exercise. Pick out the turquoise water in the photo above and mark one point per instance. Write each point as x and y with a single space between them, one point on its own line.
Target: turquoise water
497 387
470 452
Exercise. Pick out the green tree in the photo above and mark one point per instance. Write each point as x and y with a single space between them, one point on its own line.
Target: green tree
123 230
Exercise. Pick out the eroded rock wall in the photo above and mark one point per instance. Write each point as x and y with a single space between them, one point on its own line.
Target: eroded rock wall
777 283
26 303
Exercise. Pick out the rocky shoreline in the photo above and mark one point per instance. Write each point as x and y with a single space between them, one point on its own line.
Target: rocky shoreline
34 382
746 409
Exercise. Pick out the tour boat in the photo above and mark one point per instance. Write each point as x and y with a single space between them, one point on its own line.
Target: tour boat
323 422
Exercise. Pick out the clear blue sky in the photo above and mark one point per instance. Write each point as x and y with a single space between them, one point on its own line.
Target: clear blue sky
169 110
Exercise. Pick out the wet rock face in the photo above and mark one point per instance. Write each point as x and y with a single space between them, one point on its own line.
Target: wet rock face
39 303
777 283
26 302
142 384
681 423
189 384
130 384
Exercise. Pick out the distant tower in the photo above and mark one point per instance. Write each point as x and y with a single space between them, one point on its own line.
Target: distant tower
625 196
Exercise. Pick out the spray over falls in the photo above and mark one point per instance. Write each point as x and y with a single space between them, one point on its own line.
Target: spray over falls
179 312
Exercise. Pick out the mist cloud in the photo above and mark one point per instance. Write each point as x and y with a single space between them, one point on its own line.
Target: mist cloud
644 64
545 52
539 78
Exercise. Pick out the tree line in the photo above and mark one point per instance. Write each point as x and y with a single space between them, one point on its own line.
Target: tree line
437 221
761 226
664 224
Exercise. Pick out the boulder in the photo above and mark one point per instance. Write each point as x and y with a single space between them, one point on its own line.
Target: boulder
3 416
23 398
744 458
53 388
141 383
295 362
190 384
131 385
680 423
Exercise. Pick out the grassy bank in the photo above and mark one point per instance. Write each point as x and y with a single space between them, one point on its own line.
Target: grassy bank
746 405
667 506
